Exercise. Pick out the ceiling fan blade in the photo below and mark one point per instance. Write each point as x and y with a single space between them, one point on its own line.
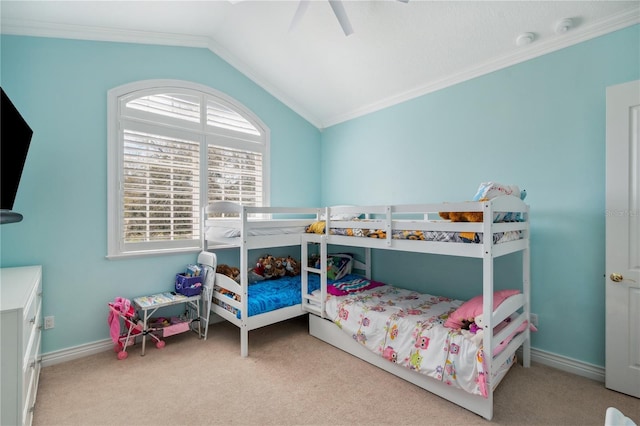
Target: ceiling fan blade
341 14
303 5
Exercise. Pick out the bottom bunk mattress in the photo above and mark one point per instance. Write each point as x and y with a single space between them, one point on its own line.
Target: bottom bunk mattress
407 328
270 295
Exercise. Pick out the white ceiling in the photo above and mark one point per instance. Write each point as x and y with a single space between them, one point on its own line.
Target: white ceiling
398 50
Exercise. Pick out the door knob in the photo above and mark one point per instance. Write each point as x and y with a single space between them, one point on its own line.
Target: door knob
616 278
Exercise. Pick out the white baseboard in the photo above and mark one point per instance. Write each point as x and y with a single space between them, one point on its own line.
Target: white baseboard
64 355
75 352
550 359
570 365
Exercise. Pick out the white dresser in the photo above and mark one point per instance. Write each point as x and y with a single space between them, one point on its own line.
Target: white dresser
20 328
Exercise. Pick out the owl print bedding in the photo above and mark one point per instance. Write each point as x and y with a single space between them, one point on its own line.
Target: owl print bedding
407 328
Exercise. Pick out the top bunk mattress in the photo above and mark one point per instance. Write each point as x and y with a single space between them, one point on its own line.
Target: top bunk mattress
416 235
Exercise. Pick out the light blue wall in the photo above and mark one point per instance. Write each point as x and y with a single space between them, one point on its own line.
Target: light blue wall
60 87
540 125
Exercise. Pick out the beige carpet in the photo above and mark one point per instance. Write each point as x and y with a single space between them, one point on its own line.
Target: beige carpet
291 378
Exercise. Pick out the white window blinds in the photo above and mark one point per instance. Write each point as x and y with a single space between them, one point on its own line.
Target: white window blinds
220 116
234 175
160 188
175 105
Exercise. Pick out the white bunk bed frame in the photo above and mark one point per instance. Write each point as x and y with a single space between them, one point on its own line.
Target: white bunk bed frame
388 219
250 220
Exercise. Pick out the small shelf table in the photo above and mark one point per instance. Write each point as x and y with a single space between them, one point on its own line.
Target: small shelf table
148 305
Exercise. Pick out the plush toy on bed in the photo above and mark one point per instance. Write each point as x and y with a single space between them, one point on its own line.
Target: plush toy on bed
278 267
265 266
487 191
475 332
291 266
271 267
463 216
230 271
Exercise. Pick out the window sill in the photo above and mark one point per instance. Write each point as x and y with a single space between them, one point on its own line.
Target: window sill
151 253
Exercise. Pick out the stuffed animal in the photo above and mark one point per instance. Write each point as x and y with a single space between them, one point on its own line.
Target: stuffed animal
271 267
259 268
266 267
316 228
292 266
488 191
279 269
262 265
463 216
230 271
475 333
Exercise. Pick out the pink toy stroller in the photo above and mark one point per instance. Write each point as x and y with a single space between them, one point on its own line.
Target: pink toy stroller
125 327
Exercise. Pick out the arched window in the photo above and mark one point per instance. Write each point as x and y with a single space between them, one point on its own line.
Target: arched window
175 146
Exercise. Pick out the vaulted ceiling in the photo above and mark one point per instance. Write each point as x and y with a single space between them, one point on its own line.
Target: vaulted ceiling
398 49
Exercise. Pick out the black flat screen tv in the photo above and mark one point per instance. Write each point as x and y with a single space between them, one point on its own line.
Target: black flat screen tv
15 138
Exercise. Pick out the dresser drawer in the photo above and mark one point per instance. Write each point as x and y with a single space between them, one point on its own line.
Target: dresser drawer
30 375
32 333
31 312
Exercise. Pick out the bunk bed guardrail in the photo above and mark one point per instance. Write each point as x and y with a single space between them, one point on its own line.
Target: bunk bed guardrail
424 218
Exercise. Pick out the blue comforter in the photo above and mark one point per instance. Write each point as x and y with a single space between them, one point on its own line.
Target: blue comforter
269 295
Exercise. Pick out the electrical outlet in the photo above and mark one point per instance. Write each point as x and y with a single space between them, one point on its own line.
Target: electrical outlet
534 319
49 322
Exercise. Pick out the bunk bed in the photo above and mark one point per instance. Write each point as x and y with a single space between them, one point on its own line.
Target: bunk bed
229 225
504 229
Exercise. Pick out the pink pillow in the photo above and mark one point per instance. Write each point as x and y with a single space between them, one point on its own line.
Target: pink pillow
472 308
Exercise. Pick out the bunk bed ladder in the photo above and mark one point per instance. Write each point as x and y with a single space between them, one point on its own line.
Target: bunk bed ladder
312 303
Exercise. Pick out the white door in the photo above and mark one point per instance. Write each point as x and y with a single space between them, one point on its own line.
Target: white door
622 280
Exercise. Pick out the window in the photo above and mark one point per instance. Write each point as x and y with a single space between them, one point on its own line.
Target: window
174 147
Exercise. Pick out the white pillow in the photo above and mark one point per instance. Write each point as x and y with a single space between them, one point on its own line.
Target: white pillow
342 216
491 190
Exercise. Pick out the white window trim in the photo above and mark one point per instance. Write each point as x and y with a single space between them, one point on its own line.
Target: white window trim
115 158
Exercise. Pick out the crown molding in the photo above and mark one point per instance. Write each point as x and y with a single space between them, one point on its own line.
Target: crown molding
78 32
534 50
531 51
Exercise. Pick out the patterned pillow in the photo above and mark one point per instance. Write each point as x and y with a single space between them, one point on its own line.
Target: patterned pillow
352 285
